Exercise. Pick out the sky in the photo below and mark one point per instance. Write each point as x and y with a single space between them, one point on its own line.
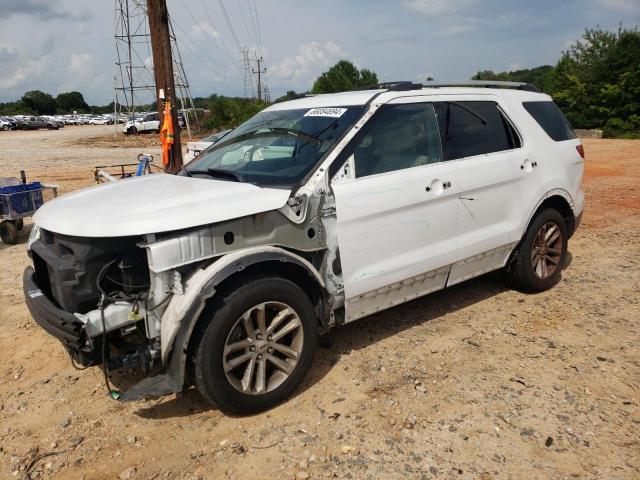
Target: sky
64 45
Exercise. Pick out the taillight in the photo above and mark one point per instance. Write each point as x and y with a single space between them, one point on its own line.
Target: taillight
580 150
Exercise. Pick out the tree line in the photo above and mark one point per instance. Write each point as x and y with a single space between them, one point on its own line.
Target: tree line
596 82
36 102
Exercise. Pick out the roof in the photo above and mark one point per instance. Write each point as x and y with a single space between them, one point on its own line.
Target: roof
361 97
342 99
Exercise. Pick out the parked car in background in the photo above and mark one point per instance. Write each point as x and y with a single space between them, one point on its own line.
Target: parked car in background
150 122
34 123
8 123
98 121
314 213
194 148
53 120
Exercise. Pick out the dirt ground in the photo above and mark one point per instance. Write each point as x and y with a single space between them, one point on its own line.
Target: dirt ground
476 382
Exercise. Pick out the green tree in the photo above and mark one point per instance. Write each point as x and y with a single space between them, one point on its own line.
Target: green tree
596 82
71 101
290 95
229 112
344 76
39 102
538 76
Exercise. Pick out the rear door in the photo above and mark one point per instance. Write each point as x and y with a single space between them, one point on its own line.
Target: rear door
397 214
478 136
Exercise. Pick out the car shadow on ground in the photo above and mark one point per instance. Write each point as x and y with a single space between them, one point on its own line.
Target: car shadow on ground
345 339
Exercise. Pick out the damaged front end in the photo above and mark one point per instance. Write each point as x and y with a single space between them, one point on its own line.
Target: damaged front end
97 297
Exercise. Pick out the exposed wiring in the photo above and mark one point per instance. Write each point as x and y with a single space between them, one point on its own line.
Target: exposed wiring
75 365
103 299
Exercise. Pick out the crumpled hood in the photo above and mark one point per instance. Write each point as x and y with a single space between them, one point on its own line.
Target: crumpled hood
153 204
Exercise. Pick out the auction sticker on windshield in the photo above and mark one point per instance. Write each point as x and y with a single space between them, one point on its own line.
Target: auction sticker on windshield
326 112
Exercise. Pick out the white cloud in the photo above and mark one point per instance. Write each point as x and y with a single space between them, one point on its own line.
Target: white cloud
310 60
81 65
203 30
20 66
434 8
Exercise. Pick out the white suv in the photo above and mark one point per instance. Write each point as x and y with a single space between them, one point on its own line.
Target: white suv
314 213
149 122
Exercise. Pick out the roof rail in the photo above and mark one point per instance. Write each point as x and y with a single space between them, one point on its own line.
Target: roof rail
485 84
399 86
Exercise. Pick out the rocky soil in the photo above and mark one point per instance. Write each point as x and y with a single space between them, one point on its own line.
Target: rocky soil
476 382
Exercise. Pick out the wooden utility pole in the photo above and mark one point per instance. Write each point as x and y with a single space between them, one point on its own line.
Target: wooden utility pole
163 71
259 72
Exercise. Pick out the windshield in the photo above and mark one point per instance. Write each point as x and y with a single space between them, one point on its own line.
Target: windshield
275 148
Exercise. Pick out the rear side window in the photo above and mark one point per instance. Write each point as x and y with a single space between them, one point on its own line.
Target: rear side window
474 128
551 119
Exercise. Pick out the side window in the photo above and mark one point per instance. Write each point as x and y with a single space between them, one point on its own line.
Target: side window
474 128
397 137
551 119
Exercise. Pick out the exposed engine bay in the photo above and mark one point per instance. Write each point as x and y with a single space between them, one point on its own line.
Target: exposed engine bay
105 282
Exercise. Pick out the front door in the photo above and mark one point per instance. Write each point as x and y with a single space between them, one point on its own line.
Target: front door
397 215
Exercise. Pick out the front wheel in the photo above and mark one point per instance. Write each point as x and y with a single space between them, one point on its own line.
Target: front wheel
542 253
257 346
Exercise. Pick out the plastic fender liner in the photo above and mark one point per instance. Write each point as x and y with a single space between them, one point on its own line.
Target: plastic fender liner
184 310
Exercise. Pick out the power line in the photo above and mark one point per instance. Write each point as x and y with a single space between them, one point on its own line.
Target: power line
202 52
195 22
229 25
244 20
256 24
222 42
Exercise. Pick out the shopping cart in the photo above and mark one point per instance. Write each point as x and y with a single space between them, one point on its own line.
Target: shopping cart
19 200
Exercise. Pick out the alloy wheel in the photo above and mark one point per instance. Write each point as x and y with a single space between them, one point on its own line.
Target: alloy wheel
263 348
547 250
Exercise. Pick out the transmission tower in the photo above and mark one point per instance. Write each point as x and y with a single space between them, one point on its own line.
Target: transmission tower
134 83
246 71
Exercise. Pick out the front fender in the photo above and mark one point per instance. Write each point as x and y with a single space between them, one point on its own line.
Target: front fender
183 311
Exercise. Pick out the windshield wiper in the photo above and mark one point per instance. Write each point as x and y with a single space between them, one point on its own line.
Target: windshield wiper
295 133
217 172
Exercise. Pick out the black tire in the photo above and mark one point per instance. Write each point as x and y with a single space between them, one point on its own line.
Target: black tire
222 315
9 232
522 274
20 224
132 131
5 127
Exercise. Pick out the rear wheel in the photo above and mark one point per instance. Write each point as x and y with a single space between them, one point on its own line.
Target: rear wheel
5 127
9 232
542 253
257 346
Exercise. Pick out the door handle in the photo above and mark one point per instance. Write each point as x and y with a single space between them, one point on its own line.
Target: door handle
438 186
528 165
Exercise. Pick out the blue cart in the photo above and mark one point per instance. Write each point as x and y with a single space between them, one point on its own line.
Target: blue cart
19 200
